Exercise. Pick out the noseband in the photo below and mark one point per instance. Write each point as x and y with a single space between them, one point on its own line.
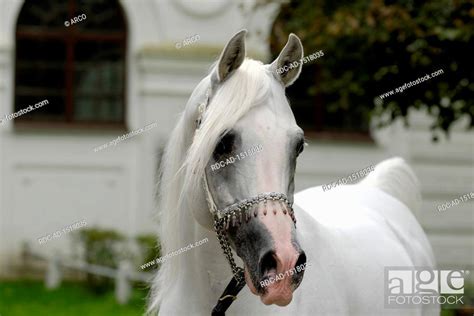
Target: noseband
234 215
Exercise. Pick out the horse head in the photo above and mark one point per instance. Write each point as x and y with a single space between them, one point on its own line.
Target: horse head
254 153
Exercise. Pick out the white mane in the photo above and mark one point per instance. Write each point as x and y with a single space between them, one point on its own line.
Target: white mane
185 159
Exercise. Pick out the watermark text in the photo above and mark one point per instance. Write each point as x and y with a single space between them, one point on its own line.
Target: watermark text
281 276
302 61
350 178
232 159
24 111
411 83
75 20
126 136
407 287
174 253
456 201
62 232
187 41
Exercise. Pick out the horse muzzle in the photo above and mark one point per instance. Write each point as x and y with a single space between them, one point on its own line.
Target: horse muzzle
274 261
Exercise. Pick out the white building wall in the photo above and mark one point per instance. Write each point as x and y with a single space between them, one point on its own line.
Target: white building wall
446 172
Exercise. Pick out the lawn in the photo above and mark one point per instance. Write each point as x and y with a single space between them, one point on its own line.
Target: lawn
26 298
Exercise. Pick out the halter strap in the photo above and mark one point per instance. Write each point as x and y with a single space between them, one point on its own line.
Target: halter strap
209 198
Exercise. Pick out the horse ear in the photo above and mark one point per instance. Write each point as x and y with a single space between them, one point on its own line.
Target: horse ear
284 66
232 56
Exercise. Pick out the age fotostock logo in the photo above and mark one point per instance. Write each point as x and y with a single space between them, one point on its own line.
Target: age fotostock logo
408 287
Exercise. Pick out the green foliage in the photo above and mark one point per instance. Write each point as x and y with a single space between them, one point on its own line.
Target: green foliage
26 298
149 247
372 47
108 247
101 247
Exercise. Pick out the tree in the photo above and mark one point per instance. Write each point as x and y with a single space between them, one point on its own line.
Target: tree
374 47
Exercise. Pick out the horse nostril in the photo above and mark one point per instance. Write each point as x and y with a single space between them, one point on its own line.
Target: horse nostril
268 262
301 259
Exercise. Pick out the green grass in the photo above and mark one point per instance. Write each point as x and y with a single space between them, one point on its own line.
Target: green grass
27 298
30 298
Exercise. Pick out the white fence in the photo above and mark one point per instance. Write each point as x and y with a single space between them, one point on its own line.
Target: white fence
123 276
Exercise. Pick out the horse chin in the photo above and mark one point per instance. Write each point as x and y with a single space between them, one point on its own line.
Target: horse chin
280 293
277 295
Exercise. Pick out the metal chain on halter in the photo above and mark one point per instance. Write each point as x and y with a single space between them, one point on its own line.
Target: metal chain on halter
225 245
235 212
223 218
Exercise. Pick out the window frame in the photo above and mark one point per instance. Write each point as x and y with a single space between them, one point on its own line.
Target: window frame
71 36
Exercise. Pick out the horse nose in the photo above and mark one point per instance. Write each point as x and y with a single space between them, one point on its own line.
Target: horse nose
268 263
301 262
273 262
300 265
280 276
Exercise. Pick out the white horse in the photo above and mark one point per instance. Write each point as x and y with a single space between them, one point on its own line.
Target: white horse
346 236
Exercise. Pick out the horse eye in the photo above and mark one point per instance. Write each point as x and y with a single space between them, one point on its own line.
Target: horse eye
225 146
300 148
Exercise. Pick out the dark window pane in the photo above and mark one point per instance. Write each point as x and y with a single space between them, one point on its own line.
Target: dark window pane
106 109
94 51
53 111
41 50
40 75
43 15
79 69
99 81
102 16
100 77
44 75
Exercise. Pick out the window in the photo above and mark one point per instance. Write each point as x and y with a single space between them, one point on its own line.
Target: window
79 68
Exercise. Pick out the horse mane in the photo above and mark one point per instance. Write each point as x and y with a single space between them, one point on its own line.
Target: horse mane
187 154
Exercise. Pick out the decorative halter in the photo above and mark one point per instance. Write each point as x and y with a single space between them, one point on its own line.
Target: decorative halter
231 216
